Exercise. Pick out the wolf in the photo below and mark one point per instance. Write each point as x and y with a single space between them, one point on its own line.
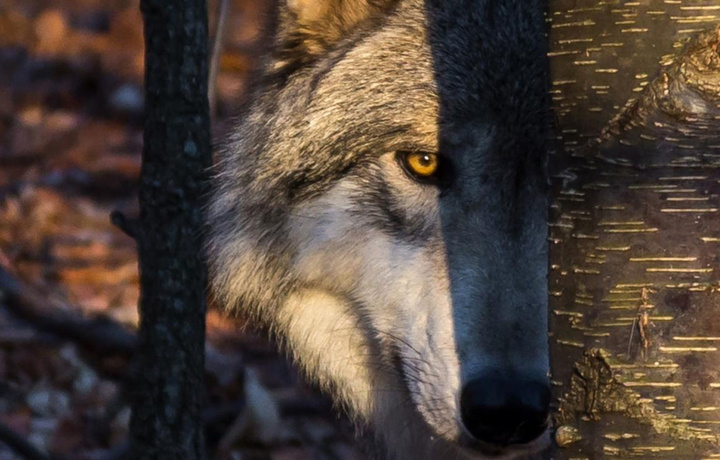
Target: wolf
380 208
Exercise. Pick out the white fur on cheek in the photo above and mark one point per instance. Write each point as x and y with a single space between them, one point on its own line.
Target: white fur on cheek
330 347
403 291
414 315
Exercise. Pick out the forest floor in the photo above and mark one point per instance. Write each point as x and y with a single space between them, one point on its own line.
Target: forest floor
71 104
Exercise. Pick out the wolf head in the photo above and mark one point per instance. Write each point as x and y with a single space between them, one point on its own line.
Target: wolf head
381 208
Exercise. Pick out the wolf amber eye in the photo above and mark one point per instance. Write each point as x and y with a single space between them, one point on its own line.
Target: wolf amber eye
421 164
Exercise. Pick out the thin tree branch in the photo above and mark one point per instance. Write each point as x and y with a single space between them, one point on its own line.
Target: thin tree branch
127 225
101 334
223 7
20 445
54 317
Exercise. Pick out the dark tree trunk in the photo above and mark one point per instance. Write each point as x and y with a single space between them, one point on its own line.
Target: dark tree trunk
635 238
176 157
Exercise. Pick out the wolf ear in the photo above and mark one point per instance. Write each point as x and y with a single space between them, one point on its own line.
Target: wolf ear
311 27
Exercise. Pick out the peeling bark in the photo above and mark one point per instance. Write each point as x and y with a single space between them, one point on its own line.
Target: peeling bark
635 229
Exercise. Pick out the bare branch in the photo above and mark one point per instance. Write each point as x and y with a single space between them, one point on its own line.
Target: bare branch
20 445
54 317
127 225
223 7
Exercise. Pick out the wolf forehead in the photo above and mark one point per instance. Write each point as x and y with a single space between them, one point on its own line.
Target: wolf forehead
449 61
408 73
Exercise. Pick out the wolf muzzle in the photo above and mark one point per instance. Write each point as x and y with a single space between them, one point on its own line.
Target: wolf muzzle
505 411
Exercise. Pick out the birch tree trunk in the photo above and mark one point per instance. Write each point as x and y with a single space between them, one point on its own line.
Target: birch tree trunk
169 388
635 229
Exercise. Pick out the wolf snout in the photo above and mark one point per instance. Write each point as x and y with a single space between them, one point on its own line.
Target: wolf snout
505 411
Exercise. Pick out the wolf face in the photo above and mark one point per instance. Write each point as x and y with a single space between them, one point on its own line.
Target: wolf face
381 209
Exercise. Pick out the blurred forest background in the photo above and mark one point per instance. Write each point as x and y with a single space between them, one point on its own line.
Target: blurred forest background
71 104
636 245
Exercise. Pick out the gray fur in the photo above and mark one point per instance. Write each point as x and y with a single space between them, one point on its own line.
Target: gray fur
391 293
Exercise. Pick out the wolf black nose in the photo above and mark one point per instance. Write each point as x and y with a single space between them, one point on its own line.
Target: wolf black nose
505 411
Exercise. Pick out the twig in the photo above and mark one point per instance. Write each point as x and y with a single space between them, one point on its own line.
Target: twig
217 46
20 445
52 316
101 334
127 225
236 430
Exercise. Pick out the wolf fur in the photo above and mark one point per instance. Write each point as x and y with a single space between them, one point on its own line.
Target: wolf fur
390 293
